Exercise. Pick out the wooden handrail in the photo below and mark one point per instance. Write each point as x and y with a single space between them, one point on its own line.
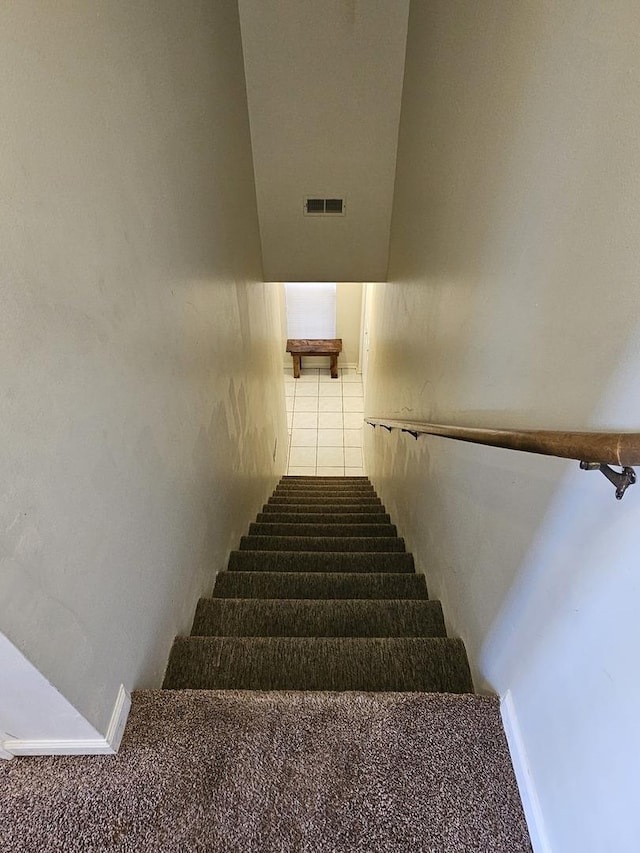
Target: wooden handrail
605 448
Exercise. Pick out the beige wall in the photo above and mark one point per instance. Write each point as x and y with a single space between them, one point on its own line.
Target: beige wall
348 323
141 369
324 81
514 302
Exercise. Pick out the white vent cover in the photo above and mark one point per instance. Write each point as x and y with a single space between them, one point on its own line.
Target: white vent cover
311 309
318 206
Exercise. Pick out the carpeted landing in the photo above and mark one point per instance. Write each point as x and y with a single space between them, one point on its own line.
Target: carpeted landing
277 772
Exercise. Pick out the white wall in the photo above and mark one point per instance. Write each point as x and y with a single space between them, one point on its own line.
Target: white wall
514 302
348 325
141 383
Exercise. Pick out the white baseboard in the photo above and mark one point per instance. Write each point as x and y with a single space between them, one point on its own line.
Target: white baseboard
526 784
107 745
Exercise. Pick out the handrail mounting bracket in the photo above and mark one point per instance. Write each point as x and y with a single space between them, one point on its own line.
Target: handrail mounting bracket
620 479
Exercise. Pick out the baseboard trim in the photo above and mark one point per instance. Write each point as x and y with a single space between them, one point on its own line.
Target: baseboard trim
521 768
107 745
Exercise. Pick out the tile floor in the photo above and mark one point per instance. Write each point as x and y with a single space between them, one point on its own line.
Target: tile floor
325 419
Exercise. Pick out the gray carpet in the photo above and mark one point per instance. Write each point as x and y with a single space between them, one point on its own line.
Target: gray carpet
314 584
322 543
324 528
319 663
245 772
275 628
321 508
299 617
317 561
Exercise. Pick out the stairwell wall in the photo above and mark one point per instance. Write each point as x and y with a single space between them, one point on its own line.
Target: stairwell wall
513 301
143 418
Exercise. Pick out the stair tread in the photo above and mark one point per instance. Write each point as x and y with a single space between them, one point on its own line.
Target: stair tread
322 543
324 509
323 518
319 663
321 561
321 529
319 585
301 492
281 617
320 500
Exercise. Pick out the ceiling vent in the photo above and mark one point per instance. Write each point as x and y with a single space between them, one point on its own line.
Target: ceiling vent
314 206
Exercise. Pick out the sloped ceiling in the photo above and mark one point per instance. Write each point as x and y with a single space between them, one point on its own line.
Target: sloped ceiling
324 85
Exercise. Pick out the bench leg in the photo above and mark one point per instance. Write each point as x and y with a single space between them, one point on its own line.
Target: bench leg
297 364
334 366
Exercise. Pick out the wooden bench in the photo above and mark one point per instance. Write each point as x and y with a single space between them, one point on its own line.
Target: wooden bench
314 346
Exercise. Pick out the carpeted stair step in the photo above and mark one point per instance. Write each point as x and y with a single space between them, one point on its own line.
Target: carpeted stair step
334 500
334 530
324 509
319 584
319 663
321 543
247 617
326 486
291 478
323 518
329 482
319 561
301 494
325 481
299 488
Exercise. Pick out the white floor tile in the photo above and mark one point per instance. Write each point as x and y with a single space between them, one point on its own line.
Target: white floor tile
325 389
330 404
329 456
289 403
353 457
351 404
305 420
307 389
353 438
302 457
353 472
289 420
352 420
305 404
330 420
325 376
330 437
308 375
304 438
350 375
301 471
330 471
352 389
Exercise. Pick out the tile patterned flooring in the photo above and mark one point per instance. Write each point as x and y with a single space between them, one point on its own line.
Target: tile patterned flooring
325 419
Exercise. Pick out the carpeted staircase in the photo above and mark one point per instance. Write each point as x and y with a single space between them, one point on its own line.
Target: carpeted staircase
321 595
331 713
